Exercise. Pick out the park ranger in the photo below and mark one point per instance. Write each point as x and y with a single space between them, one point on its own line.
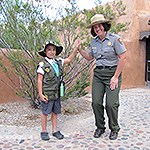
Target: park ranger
110 53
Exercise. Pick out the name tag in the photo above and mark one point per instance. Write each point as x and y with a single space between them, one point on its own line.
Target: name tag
93 48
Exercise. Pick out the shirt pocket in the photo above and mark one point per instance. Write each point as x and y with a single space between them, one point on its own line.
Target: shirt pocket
94 50
49 74
109 52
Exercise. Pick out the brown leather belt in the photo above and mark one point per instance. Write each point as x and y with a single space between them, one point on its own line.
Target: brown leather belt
105 67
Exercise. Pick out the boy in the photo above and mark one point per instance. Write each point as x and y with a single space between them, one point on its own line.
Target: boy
49 74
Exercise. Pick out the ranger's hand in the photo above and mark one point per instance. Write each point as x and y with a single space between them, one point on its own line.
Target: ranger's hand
113 83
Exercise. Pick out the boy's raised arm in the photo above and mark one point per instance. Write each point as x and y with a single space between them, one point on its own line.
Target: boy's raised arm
71 56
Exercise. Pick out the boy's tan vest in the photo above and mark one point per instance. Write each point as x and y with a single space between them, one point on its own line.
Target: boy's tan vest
51 83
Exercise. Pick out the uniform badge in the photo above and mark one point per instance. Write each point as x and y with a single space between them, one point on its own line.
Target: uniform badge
120 41
47 69
109 43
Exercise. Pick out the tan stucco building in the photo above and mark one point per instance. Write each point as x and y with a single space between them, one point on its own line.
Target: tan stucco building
137 42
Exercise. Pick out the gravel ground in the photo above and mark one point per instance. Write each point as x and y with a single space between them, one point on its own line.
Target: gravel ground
78 125
22 114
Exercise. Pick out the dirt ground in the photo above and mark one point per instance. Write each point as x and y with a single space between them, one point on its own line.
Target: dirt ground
22 114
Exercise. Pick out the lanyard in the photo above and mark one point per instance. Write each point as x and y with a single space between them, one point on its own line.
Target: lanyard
56 68
54 65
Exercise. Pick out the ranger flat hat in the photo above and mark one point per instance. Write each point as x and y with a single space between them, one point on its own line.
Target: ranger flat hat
96 19
58 48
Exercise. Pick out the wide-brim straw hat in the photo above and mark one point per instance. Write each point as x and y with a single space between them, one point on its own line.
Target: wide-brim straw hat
98 18
58 48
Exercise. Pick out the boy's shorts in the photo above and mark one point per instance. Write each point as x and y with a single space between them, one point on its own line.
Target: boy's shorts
51 106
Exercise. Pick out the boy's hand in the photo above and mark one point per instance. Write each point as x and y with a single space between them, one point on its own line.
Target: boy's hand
43 98
77 44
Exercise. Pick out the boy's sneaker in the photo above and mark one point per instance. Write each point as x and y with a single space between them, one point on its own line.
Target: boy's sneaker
44 136
58 135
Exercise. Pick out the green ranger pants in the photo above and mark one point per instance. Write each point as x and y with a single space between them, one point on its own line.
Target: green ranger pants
100 87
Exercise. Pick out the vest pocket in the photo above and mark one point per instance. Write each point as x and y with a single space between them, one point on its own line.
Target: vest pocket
51 95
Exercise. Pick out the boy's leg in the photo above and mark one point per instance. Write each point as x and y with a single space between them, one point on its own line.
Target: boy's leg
44 133
56 110
55 133
46 109
54 122
44 122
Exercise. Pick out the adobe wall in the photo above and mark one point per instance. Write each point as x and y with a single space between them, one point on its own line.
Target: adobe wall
7 92
137 14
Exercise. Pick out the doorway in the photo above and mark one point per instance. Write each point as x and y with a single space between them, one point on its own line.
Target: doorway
147 73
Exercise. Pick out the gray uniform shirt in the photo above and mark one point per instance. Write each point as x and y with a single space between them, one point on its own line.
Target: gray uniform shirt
106 52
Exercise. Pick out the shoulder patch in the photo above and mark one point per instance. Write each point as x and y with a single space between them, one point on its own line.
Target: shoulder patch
120 40
47 69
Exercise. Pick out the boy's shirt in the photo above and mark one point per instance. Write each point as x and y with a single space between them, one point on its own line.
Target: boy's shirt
51 61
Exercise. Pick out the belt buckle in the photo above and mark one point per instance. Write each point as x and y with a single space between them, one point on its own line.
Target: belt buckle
103 67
